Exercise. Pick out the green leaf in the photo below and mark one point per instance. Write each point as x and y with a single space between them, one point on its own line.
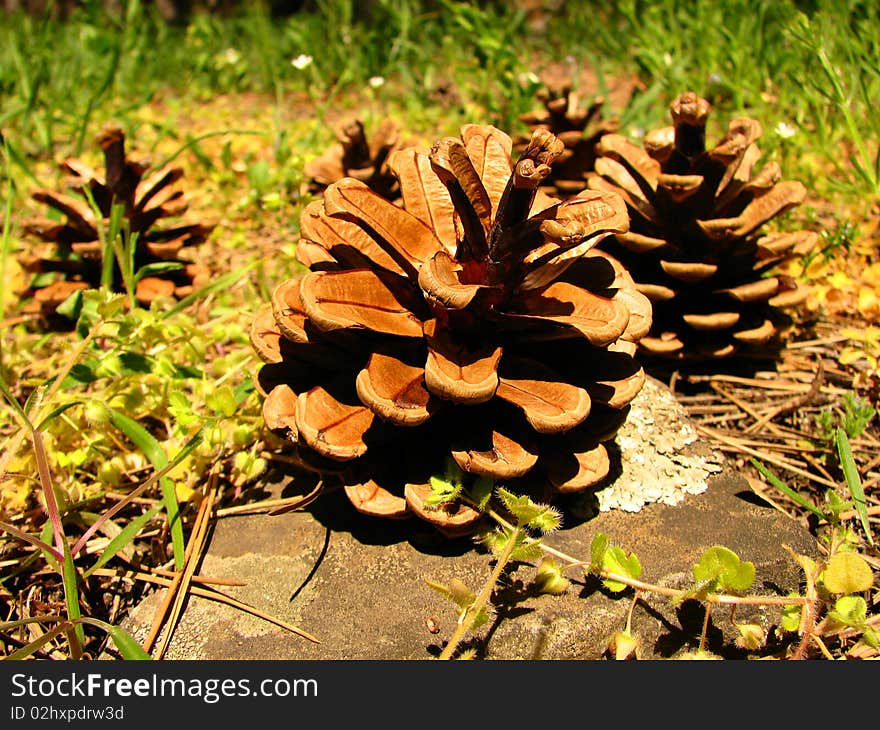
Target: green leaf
550 577
623 645
461 594
615 560
153 450
125 642
853 481
218 284
72 306
597 552
751 636
850 611
127 645
133 362
70 581
871 637
159 267
443 490
525 548
528 513
80 373
836 505
847 573
243 390
721 568
791 615
480 491
222 401
56 412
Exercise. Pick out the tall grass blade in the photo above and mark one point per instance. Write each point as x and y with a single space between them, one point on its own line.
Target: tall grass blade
153 450
219 284
37 644
31 540
788 491
185 451
70 580
125 536
853 481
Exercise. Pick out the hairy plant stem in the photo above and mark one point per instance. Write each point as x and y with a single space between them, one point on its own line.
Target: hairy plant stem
721 598
472 611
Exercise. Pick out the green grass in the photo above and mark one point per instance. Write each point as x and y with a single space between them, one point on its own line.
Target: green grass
813 66
165 394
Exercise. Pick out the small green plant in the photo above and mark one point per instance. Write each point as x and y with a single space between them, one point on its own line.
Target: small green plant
515 541
854 418
829 608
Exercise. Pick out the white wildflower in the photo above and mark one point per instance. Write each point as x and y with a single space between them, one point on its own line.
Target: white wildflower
785 130
301 61
230 57
376 81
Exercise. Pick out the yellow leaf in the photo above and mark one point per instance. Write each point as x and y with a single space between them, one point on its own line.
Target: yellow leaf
848 573
869 306
14 283
849 355
840 280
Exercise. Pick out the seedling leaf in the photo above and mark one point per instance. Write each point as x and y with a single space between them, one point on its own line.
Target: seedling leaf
847 573
721 568
528 513
597 551
615 560
550 577
850 611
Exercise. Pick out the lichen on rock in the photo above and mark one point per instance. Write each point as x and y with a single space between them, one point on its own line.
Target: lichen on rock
661 459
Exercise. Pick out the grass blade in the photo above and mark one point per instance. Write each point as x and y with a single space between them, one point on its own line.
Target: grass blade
853 481
125 642
34 646
123 538
788 491
153 450
185 451
70 581
31 540
220 283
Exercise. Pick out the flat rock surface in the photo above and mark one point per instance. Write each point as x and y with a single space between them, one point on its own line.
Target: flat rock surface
358 583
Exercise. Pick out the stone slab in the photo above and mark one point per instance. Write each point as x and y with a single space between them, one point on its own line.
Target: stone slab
358 583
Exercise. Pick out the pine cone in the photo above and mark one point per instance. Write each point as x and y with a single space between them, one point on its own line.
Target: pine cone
76 250
474 322
695 246
353 156
577 127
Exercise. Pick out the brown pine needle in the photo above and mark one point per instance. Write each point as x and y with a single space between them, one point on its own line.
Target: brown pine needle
783 464
197 543
204 580
213 595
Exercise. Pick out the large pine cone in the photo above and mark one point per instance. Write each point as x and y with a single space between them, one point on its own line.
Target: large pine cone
695 245
474 322
75 248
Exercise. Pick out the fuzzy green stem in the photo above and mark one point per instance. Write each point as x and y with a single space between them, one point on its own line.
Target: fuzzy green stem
720 598
474 609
